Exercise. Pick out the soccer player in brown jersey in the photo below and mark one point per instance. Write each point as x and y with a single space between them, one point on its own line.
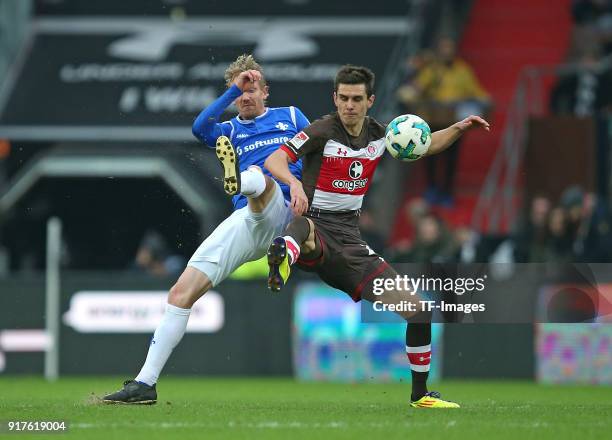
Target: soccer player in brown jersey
340 153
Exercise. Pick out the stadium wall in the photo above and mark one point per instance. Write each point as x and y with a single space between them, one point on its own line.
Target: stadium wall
244 331
240 329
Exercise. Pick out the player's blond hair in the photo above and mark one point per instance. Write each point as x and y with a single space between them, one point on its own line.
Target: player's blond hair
243 63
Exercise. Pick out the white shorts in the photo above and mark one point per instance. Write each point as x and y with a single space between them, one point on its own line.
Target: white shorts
243 236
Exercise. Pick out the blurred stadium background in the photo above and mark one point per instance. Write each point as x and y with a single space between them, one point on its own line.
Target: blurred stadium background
96 105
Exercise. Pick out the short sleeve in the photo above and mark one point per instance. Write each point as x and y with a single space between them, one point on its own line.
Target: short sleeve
310 140
301 121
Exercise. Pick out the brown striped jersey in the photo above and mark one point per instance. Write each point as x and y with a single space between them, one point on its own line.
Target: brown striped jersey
337 168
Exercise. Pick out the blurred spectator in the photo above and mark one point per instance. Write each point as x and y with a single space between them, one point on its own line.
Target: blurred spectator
558 246
595 241
585 91
593 20
408 93
433 243
465 246
529 239
590 11
443 91
572 201
588 224
578 230
370 233
154 258
415 209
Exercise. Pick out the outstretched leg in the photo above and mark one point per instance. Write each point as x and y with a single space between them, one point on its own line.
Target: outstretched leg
299 238
418 341
191 285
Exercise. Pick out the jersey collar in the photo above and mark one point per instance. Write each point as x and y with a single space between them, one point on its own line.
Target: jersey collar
251 121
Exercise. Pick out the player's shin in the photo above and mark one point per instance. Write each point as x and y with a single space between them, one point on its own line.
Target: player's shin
297 232
167 335
418 349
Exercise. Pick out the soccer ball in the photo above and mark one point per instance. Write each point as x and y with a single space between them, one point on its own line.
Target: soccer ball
407 138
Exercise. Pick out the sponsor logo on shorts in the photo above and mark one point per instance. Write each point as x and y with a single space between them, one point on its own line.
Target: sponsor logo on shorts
350 185
299 140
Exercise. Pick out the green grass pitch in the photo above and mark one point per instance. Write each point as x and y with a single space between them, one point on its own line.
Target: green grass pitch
206 408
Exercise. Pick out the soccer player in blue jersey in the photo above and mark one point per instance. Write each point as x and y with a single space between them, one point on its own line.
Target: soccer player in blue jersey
261 209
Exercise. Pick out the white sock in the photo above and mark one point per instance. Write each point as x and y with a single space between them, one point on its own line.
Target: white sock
252 182
167 335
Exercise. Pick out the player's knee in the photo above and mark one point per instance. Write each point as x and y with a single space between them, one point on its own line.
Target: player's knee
310 244
270 187
269 183
183 296
259 203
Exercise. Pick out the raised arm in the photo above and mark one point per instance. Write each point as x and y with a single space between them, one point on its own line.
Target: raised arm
278 165
442 139
206 126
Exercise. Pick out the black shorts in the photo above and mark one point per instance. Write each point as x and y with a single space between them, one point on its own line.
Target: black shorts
347 262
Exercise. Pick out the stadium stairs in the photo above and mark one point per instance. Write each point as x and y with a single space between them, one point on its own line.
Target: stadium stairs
500 38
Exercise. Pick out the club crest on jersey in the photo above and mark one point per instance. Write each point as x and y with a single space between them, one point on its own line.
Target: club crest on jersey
282 126
299 140
355 170
371 151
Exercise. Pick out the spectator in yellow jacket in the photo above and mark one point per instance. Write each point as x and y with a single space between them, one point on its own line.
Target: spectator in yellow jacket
444 89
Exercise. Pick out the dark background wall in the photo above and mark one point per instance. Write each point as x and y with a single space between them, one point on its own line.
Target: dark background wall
255 339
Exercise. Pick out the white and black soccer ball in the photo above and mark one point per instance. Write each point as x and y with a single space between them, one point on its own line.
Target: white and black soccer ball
407 138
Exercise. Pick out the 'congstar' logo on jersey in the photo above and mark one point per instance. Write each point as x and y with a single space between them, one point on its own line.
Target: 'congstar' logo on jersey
350 185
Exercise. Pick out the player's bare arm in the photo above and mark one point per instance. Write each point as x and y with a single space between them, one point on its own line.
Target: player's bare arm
442 139
278 165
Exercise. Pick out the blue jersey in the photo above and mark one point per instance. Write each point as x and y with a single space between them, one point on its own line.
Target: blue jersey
254 140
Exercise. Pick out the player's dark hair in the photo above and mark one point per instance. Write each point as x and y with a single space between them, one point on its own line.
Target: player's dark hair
350 74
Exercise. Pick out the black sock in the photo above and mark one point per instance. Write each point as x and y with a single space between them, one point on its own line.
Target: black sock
418 348
298 229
